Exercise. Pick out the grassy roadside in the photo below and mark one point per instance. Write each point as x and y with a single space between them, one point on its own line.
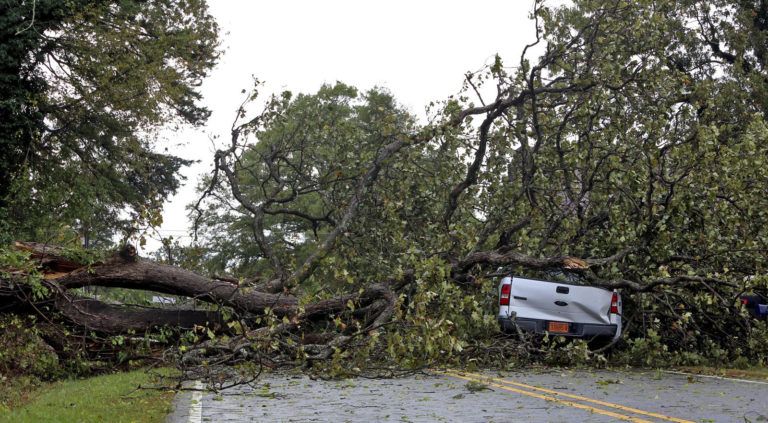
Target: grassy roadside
106 398
16 391
752 373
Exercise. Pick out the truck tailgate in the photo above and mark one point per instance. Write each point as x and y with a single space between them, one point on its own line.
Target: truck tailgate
560 301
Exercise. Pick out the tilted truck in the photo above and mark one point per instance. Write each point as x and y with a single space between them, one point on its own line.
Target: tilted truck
558 308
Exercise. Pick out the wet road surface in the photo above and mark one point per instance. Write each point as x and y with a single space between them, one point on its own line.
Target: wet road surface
559 395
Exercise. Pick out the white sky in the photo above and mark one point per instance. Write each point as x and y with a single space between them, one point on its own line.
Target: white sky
418 49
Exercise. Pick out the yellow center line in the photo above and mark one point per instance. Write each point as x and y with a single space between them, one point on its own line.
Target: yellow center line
559 401
572 396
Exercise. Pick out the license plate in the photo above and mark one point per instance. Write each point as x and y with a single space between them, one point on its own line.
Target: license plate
558 327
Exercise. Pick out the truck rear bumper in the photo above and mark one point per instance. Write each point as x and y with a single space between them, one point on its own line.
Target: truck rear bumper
579 330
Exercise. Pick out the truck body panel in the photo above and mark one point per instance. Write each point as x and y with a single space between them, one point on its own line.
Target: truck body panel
538 306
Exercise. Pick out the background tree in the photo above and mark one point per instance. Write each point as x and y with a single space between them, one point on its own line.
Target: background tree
85 87
293 176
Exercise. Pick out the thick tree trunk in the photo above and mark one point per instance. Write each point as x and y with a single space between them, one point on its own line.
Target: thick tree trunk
110 318
150 276
124 270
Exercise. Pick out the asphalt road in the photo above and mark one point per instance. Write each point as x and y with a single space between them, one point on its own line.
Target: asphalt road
525 396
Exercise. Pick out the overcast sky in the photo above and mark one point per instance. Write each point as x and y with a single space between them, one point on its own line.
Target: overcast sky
419 50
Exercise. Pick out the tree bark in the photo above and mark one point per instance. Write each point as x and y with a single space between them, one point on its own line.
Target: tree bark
150 276
114 319
61 275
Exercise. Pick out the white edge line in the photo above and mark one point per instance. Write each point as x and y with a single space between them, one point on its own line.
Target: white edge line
196 403
716 377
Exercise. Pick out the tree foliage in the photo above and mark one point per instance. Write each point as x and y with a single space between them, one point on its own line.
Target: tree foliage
635 142
85 87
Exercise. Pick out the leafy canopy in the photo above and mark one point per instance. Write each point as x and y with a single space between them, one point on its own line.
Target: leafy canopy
85 87
636 142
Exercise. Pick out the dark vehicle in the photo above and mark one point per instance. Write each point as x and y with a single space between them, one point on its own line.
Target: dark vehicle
756 305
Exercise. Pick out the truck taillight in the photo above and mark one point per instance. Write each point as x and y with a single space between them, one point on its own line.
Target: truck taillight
506 290
615 303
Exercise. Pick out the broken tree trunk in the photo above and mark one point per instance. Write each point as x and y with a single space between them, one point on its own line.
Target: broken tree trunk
62 276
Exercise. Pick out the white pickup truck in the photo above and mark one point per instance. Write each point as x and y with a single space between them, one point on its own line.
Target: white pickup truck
558 308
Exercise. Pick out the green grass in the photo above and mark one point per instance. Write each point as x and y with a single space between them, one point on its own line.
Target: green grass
107 398
15 391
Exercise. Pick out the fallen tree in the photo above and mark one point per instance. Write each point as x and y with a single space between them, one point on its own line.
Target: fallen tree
630 154
60 277
246 325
